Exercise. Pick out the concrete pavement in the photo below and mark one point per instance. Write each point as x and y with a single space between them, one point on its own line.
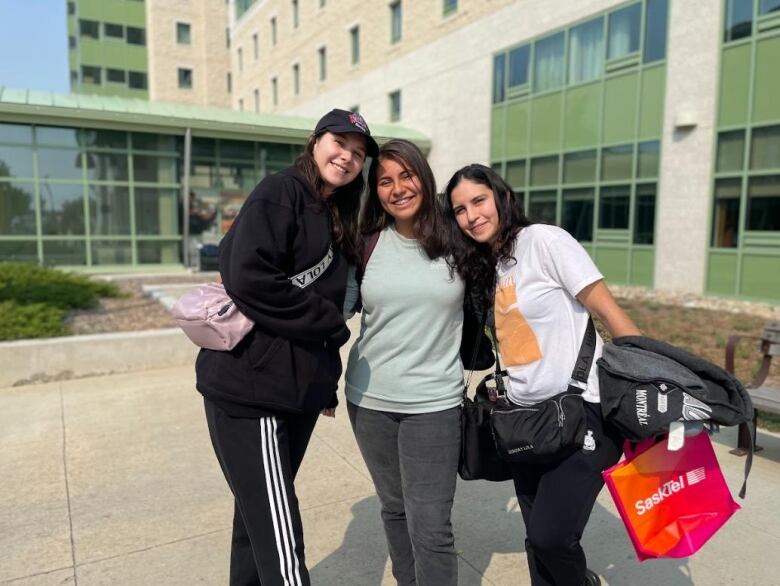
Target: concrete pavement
112 480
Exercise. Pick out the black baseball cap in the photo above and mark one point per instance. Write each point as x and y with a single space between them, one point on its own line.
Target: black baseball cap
344 122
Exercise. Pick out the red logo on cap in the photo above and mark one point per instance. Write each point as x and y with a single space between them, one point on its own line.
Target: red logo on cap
357 120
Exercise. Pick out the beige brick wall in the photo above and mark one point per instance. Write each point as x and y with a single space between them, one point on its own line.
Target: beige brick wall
423 23
207 54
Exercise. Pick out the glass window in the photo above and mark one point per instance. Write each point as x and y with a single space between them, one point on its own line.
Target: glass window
624 31
51 135
154 169
71 43
18 250
59 163
655 30
185 78
153 142
113 31
644 214
739 19
109 210
395 106
111 252
183 33
731 151
354 39
275 90
105 139
16 161
763 209
579 167
542 206
157 211
62 209
515 173
725 219
499 79
767 6
71 8
296 71
16 133
273 31
159 252
90 74
136 36
295 14
548 63
544 170
497 168
518 65
17 208
322 57
116 75
586 51
617 162
577 213
64 252
255 47
240 176
396 22
240 58
107 167
236 149
89 28
649 155
136 80
613 207
450 6
765 148
204 147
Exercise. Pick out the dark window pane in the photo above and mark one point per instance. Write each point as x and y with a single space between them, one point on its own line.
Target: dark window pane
624 31
59 163
499 80
586 51
725 219
238 176
105 139
89 28
518 65
107 167
136 36
655 30
767 6
153 142
71 8
277 152
548 63
62 209
644 214
111 252
613 208
739 19
544 170
116 31
731 151
542 207
515 173
64 252
116 75
617 162
18 250
579 167
16 161
204 147
91 74
136 80
154 169
185 78
236 149
763 211
497 169
765 148
17 208
159 252
648 158
577 213
157 211
71 43
109 210
17 133
49 135
183 33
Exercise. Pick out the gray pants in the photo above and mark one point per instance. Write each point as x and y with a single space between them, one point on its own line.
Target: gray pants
413 461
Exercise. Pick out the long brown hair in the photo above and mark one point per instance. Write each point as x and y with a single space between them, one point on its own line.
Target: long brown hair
428 222
343 204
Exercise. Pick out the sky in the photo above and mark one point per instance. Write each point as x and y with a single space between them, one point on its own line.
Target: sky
34 45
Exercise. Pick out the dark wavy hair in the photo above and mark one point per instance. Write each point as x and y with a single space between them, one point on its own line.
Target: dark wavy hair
475 261
343 204
429 222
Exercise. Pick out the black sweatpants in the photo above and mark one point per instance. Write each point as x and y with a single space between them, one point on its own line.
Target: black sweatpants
556 500
260 458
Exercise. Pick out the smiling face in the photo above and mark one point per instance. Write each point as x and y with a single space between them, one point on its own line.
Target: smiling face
339 159
400 193
474 206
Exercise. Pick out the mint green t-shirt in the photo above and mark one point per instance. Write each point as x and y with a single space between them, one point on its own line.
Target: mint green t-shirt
406 359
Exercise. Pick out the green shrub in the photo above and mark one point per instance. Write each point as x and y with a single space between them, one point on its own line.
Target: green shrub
34 320
28 283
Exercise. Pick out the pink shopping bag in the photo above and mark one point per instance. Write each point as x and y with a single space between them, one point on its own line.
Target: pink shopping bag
671 502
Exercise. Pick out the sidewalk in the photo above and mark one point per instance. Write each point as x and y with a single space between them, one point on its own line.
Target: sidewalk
112 480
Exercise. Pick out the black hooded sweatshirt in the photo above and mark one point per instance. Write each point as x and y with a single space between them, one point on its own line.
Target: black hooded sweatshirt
280 268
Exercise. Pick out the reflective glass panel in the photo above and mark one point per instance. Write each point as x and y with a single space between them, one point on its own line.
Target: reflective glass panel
17 208
765 148
17 133
655 30
649 157
59 163
154 169
109 210
613 207
236 149
548 63
19 250
111 252
515 173
586 51
731 151
725 219
159 252
542 206
64 252
739 19
518 65
157 211
105 139
579 167
499 80
767 6
107 167
624 31
617 162
544 170
153 142
62 208
577 213
763 211
644 214
53 136
16 161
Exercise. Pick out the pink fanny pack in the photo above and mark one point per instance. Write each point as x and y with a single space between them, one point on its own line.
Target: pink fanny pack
210 318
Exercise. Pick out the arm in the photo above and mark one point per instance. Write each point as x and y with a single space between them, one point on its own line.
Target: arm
352 296
599 301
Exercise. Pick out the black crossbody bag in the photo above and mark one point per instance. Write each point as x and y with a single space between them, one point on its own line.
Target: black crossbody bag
550 429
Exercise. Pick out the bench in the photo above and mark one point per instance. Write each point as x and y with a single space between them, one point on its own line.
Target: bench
765 398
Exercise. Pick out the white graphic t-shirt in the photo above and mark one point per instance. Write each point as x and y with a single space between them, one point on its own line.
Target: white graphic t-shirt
539 322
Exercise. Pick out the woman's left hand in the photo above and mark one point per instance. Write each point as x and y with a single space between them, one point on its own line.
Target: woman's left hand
330 412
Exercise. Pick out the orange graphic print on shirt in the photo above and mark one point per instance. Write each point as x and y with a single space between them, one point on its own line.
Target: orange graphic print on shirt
516 340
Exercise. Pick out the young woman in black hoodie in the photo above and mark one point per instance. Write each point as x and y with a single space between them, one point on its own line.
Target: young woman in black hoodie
284 264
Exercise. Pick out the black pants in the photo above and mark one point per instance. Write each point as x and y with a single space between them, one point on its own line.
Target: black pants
556 500
260 458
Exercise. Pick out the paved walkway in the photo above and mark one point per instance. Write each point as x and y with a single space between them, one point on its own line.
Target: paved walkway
112 480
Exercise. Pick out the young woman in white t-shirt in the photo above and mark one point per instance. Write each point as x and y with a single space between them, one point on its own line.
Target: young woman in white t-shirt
542 285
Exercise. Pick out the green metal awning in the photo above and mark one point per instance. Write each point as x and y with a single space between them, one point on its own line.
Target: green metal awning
37 107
